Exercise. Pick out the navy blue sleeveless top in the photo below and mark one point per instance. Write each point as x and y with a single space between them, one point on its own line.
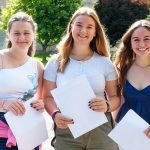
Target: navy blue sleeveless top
137 100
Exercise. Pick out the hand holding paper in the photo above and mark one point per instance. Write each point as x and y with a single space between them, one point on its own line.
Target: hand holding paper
72 99
129 133
30 129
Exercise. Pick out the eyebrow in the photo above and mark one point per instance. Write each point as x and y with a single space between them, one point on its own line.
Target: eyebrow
88 24
19 31
138 37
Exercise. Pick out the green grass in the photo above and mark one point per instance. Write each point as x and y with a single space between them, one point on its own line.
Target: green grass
39 57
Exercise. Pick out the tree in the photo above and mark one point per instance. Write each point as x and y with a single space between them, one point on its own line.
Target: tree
51 16
148 16
118 15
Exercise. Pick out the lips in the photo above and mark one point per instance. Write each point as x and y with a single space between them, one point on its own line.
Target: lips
83 37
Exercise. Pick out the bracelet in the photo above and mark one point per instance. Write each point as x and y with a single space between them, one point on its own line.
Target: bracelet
54 113
108 106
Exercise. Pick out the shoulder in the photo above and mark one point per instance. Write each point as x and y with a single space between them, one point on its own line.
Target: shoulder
54 58
3 51
39 64
102 59
53 61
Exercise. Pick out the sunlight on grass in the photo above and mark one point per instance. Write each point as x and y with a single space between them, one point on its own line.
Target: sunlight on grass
39 57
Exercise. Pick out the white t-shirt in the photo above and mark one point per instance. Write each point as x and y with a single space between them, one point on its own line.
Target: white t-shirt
97 69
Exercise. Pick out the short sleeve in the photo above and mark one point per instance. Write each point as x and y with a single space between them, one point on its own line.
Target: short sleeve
110 73
50 72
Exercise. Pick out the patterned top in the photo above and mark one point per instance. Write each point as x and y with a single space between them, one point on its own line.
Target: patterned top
19 82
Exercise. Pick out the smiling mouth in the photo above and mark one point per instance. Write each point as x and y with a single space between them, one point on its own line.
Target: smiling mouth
145 49
22 42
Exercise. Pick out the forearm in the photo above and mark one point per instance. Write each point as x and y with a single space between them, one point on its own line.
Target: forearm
50 105
114 103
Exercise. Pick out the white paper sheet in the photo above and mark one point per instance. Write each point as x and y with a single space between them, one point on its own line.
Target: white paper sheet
30 129
72 99
129 132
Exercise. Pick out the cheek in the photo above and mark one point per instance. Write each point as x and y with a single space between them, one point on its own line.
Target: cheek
133 44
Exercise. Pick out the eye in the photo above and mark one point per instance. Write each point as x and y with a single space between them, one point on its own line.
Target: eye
147 39
17 33
79 25
89 27
136 40
26 33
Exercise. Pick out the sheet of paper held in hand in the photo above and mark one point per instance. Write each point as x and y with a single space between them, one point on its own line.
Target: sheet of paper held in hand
30 129
129 133
72 99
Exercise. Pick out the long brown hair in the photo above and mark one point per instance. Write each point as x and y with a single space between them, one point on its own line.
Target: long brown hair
125 55
21 16
99 44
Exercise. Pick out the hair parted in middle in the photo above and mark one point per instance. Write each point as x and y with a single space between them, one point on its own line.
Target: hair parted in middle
125 56
99 44
23 17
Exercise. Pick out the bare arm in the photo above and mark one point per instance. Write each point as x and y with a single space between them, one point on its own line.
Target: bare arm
50 105
100 104
49 102
39 104
113 97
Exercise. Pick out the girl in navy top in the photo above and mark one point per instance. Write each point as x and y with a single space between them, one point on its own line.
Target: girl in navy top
133 63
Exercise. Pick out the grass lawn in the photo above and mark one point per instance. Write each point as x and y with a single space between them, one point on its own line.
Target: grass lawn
39 57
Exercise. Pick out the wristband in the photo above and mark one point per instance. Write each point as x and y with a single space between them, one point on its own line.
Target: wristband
108 106
54 113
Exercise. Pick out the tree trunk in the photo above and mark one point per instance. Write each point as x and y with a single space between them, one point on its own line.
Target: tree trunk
44 60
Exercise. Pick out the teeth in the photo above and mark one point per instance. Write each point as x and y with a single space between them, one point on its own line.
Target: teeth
142 49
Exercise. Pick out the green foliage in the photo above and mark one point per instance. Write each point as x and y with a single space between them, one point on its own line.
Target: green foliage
51 16
148 16
118 15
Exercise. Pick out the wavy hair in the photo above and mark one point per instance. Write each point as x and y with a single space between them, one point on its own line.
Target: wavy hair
99 44
125 56
21 16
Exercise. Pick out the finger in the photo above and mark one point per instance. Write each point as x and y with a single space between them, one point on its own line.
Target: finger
20 107
96 103
13 110
147 132
37 104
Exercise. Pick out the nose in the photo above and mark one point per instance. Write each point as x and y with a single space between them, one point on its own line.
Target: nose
141 44
83 30
21 37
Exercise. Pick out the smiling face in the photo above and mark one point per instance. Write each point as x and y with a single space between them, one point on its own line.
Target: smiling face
83 29
21 35
140 41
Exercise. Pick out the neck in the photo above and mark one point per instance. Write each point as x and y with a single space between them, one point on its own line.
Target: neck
81 54
142 62
18 56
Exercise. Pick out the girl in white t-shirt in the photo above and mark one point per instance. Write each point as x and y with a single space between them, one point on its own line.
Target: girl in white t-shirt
83 50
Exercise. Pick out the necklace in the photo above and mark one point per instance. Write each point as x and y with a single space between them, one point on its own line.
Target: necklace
82 58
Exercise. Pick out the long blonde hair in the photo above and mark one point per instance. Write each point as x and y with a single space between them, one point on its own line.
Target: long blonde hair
125 55
21 16
99 44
